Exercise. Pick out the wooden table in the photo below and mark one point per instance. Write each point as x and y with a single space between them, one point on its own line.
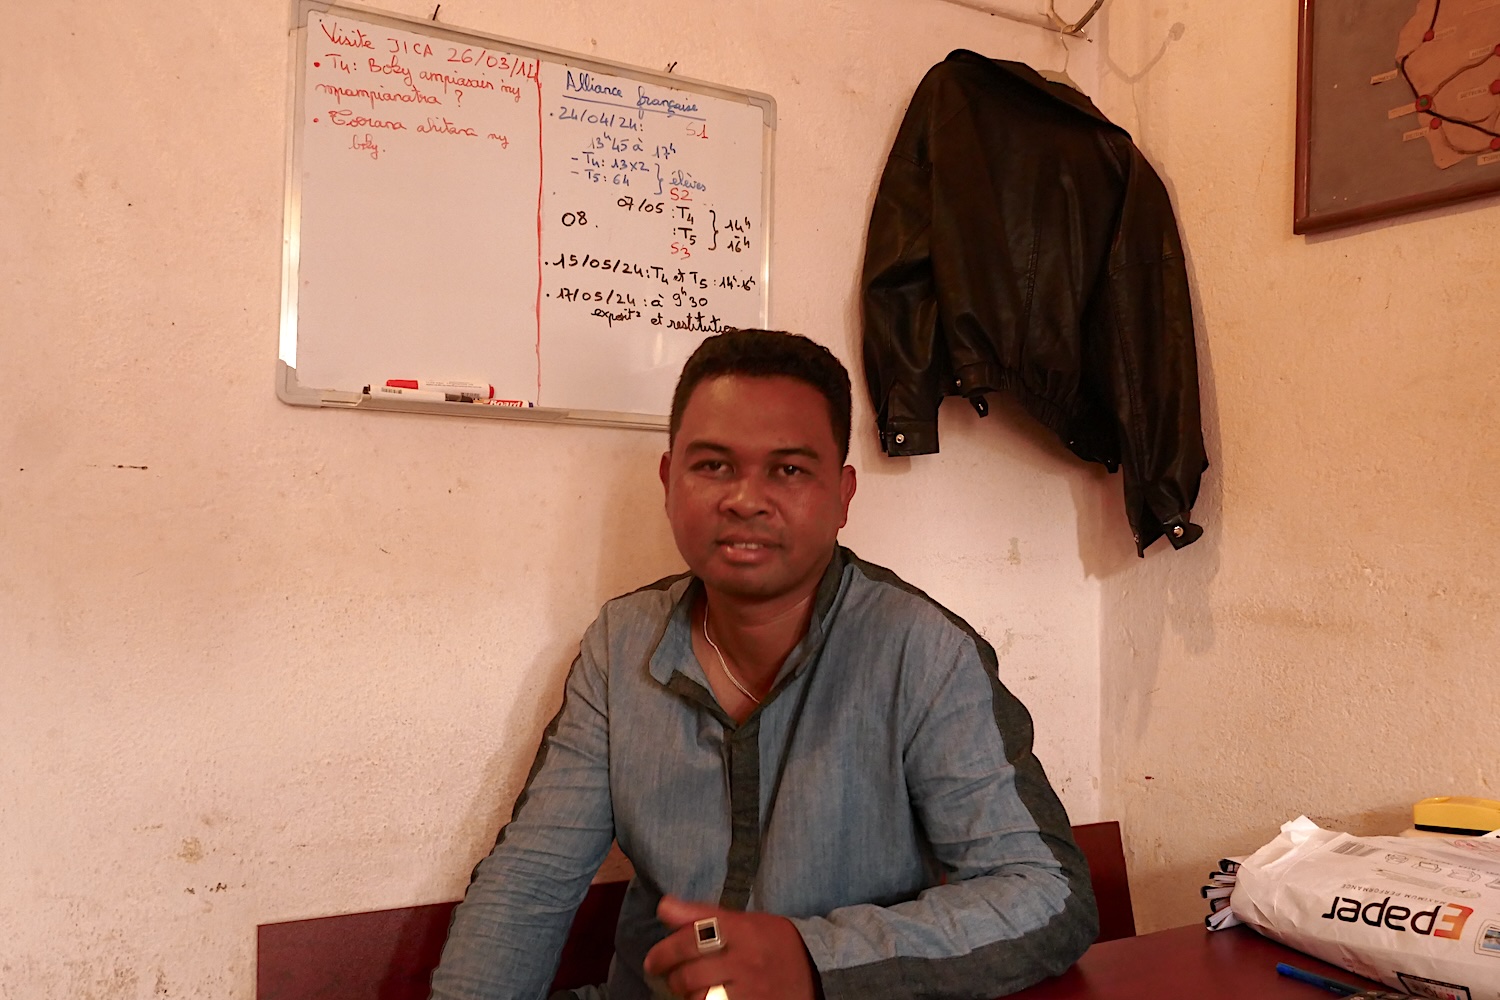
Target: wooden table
389 955
1187 963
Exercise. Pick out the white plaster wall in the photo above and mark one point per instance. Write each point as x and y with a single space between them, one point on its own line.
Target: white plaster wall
1329 646
261 662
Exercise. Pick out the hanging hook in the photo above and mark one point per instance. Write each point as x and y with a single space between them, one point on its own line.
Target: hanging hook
1064 26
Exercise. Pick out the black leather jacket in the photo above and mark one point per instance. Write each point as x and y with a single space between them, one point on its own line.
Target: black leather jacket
1020 241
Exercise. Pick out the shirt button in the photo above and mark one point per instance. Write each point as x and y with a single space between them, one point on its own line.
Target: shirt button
900 438
1177 531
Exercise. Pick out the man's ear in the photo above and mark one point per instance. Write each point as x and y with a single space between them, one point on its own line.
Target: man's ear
848 483
664 470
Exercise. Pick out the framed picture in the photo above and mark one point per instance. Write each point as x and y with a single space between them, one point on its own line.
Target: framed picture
1398 108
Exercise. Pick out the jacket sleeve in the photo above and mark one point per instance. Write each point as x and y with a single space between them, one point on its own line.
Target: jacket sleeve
507 934
1017 905
1147 359
905 360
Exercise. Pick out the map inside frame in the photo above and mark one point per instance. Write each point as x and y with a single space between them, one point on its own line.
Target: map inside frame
1398 108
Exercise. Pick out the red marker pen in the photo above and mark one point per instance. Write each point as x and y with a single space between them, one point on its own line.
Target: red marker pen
482 390
420 395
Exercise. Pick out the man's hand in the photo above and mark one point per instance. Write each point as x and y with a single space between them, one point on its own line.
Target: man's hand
763 957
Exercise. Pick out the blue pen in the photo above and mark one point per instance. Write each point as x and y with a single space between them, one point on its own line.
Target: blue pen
1313 979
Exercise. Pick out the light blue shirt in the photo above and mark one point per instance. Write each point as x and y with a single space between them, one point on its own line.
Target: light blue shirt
884 796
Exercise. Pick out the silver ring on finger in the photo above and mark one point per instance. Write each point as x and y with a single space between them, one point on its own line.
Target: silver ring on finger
709 940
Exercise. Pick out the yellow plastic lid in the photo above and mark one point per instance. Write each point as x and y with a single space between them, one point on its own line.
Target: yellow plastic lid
1457 814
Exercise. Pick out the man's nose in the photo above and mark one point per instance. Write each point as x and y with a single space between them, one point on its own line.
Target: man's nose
746 497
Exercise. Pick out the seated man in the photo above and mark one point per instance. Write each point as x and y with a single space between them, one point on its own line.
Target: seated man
822 785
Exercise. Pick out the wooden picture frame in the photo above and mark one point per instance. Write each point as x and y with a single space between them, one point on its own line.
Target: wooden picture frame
1397 109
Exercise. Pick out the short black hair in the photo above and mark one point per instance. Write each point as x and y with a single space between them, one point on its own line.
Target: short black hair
768 354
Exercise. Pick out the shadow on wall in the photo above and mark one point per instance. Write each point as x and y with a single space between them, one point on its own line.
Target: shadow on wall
1127 76
1139 601
1169 587
1465 208
638 546
1177 589
630 547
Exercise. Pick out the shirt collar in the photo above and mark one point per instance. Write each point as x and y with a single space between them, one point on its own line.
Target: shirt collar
674 651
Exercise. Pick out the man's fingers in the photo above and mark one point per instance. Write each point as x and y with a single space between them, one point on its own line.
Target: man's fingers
682 944
762 955
675 949
696 978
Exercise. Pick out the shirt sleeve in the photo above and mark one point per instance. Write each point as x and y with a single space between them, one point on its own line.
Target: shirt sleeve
507 934
1145 359
1017 905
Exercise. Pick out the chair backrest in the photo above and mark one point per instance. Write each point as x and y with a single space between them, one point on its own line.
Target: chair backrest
1101 845
390 954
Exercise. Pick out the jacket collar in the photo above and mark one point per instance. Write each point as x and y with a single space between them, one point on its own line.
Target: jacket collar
1022 73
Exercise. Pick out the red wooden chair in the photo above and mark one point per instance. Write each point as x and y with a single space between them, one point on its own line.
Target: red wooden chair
1101 844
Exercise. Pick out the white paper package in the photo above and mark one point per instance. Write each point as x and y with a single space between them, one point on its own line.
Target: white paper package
1421 915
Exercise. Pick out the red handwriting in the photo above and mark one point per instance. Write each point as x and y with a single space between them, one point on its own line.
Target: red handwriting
679 194
699 131
415 48
494 60
443 126
339 36
504 142
351 120
374 96
366 143
472 83
393 68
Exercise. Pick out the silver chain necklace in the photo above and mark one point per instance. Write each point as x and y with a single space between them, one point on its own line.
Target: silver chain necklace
723 665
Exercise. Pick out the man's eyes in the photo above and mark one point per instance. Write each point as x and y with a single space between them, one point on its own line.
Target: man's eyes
715 466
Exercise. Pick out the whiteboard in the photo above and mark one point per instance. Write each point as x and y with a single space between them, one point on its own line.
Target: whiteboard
462 207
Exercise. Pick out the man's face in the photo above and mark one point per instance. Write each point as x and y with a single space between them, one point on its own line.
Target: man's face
756 491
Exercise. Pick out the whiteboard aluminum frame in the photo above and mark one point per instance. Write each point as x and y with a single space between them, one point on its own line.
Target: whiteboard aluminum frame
292 392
